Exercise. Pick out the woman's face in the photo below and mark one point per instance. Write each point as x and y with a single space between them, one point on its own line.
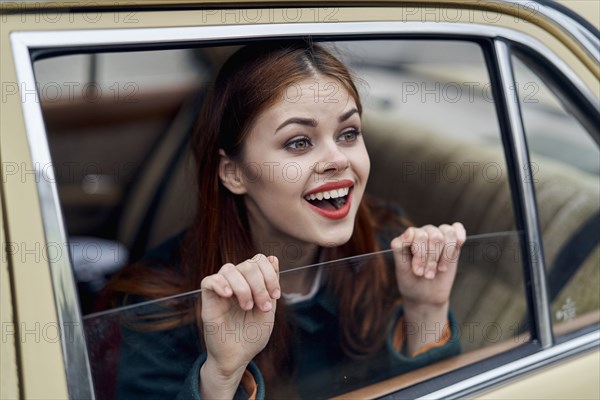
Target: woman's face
304 166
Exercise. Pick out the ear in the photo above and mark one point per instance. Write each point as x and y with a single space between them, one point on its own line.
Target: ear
230 174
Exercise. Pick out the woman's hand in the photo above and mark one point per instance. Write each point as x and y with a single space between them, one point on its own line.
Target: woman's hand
426 260
238 313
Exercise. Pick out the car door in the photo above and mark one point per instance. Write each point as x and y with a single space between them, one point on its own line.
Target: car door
10 371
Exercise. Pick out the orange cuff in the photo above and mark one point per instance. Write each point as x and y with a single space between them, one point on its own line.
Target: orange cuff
249 385
398 338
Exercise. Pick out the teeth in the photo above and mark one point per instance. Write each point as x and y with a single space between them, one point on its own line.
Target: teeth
330 194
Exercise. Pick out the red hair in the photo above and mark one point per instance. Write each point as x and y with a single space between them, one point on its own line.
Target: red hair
248 83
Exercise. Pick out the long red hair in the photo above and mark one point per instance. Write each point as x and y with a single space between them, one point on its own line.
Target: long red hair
249 82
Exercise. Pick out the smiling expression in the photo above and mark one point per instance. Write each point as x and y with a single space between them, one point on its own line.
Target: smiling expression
304 166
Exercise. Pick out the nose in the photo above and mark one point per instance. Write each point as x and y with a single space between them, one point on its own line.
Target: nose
333 160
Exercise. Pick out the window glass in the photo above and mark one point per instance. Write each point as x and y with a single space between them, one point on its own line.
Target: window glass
566 174
438 152
159 339
126 183
114 121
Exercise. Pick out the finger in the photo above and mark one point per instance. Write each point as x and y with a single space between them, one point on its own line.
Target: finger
418 250
252 270
271 274
218 284
404 240
461 233
449 249
433 251
239 286
461 237
401 246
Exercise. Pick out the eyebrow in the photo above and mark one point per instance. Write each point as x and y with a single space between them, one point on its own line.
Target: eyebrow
313 122
347 115
300 121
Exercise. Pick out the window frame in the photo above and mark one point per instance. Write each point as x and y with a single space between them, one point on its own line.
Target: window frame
27 47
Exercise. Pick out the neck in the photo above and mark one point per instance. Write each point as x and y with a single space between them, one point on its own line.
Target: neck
290 254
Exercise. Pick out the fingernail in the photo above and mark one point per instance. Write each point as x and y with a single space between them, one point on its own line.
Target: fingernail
420 271
249 305
227 290
276 293
430 274
267 306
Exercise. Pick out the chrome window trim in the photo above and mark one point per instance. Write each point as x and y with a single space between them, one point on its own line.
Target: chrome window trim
488 379
76 360
572 27
533 240
77 369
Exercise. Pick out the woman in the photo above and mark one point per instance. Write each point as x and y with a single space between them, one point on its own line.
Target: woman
282 164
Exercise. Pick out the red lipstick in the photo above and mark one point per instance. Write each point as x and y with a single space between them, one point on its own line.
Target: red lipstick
343 183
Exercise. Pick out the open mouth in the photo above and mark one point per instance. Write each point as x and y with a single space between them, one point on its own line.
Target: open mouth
329 199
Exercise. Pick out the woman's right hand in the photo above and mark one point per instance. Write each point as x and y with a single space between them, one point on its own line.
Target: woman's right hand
238 313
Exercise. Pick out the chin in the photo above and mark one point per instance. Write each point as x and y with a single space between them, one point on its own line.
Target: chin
335 240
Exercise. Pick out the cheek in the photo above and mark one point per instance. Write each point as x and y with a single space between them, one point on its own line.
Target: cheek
362 162
292 174
275 180
252 173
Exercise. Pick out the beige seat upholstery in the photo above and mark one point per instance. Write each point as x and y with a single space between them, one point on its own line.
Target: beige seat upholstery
417 168
162 198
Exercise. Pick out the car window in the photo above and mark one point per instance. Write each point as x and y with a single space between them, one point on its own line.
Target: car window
565 170
113 121
439 155
125 180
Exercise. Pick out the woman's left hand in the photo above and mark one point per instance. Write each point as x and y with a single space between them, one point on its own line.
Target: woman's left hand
426 260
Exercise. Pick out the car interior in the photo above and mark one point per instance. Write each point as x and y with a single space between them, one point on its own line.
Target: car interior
125 177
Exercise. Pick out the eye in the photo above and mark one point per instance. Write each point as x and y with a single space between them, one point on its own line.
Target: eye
298 144
349 136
